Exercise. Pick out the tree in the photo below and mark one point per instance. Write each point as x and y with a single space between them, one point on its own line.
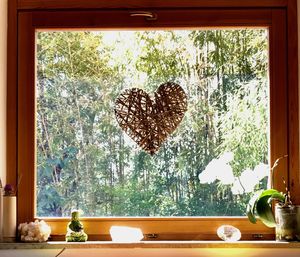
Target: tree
85 161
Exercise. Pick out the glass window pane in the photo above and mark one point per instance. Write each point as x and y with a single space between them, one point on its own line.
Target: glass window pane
210 165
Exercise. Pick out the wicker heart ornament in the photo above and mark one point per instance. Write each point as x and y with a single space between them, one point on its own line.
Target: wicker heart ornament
150 121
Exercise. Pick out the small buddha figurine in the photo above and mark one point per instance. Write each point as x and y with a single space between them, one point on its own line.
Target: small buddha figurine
75 232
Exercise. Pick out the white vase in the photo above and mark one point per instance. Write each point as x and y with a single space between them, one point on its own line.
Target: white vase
9 218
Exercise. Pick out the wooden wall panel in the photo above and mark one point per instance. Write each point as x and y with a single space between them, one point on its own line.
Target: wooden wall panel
11 109
88 4
165 18
293 96
26 118
279 101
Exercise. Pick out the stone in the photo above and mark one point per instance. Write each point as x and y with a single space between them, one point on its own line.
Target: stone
229 233
38 231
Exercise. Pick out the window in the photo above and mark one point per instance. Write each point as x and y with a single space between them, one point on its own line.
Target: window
84 159
283 107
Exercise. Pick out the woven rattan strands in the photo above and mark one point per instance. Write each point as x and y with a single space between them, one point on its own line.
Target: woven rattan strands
150 121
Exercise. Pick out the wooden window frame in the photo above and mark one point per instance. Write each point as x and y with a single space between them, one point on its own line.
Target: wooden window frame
27 15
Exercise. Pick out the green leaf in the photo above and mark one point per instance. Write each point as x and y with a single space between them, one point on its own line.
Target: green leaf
263 206
260 203
264 211
251 206
277 196
268 192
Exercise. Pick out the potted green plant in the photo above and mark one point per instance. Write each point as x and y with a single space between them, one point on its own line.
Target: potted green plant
287 216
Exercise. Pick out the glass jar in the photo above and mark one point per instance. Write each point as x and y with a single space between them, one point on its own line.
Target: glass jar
287 223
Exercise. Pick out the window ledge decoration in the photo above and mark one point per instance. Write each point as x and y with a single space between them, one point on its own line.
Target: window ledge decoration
150 121
38 231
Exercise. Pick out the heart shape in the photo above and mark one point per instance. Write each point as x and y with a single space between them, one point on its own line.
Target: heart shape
149 122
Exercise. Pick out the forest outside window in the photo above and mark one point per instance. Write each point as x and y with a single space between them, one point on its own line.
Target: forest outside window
72 153
85 160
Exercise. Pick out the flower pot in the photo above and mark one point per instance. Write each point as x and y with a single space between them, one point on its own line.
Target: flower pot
287 223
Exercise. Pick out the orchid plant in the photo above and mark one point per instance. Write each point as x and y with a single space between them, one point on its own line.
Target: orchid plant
9 190
261 203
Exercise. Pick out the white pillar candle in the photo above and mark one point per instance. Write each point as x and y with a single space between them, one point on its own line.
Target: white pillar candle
9 217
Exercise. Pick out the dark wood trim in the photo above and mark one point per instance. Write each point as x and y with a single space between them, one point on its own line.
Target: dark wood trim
26 117
11 110
166 18
138 4
278 97
293 96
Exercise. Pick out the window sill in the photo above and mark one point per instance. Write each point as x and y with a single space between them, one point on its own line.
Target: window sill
151 244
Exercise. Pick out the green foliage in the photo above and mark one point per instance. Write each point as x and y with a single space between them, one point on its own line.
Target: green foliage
85 161
260 203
